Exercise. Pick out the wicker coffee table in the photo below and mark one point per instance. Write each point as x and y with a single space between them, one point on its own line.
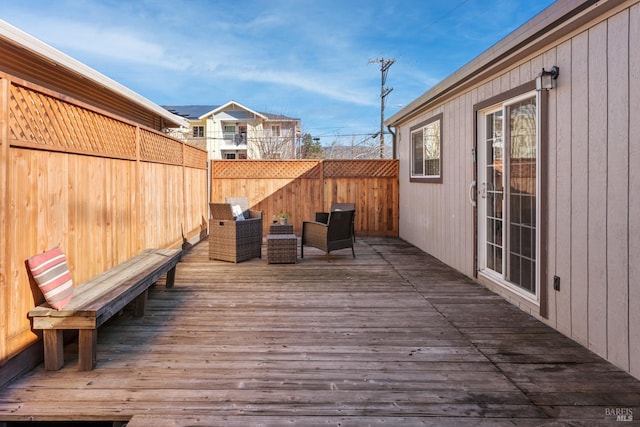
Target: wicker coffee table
282 245
281 228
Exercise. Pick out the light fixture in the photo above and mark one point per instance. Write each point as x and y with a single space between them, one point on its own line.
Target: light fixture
546 79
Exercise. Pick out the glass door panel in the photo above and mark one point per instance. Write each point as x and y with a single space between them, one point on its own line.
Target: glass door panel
522 194
508 194
493 191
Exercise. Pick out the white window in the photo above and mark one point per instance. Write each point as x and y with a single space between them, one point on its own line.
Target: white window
198 131
426 151
275 130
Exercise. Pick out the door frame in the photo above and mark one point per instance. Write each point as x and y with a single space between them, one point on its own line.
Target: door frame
543 127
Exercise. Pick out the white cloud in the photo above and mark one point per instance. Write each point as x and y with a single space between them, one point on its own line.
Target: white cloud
106 44
315 84
311 56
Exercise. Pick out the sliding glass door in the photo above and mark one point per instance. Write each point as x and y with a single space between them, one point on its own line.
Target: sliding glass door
508 201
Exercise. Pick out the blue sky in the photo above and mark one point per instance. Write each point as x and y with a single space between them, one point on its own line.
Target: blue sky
302 58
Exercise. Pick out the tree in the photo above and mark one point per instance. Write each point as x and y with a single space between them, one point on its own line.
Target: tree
366 148
279 142
310 148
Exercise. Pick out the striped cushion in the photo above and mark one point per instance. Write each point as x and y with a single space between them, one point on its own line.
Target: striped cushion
51 273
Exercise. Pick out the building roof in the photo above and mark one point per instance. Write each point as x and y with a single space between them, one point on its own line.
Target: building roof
550 25
232 110
25 57
191 112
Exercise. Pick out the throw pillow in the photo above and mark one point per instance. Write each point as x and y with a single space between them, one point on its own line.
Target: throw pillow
51 273
237 212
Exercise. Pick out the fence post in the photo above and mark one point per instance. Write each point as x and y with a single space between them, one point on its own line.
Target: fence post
184 193
136 190
4 176
323 183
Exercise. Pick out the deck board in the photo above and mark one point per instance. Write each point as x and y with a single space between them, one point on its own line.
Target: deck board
393 337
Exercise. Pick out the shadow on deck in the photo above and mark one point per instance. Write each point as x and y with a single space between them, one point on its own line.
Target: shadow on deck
393 337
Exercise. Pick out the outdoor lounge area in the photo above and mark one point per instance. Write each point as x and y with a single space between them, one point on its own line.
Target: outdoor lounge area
492 290
391 337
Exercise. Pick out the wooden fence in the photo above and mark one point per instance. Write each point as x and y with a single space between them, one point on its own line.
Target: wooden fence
303 187
100 187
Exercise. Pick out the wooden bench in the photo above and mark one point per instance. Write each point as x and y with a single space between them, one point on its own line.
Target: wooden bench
97 300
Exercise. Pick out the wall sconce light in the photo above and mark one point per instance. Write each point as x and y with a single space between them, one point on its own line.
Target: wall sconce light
546 79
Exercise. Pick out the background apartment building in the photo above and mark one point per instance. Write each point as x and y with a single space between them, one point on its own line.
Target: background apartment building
233 131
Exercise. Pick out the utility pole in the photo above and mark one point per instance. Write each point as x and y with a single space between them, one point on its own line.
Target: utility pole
385 64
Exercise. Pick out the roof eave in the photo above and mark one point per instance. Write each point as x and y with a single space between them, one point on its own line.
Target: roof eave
545 23
222 107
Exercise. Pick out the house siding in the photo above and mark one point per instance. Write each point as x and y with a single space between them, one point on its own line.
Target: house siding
634 196
592 187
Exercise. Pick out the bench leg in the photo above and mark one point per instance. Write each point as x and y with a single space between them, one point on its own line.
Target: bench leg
87 342
140 304
171 276
53 349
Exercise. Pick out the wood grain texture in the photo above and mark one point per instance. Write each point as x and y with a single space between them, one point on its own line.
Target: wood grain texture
100 187
589 137
96 301
302 188
393 337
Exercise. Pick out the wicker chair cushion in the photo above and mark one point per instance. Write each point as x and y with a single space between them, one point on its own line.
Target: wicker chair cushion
243 202
238 213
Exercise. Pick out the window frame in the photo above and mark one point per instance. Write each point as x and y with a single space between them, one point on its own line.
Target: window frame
198 131
434 179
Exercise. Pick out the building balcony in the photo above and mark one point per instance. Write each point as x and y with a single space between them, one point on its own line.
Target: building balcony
234 139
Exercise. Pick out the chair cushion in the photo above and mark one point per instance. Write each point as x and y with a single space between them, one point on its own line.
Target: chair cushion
238 213
51 272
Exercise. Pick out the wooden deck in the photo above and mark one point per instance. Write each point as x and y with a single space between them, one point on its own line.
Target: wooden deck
393 337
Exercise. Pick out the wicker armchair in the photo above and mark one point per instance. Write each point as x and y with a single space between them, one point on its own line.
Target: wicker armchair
334 235
324 216
232 240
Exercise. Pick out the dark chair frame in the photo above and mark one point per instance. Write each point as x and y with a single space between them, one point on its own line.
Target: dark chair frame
323 217
335 234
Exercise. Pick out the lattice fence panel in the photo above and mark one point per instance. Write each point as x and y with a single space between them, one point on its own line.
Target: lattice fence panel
37 118
360 168
266 169
195 157
156 147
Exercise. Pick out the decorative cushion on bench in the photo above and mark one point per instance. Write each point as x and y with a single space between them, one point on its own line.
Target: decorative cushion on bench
51 273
